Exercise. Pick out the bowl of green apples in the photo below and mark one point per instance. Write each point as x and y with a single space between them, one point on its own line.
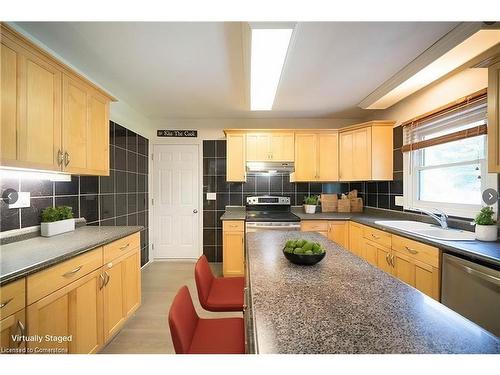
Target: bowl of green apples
303 252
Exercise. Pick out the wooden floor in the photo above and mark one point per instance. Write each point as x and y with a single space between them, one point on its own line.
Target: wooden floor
147 331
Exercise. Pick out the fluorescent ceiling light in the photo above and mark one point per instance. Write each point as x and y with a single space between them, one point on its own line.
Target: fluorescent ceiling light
27 174
457 56
269 48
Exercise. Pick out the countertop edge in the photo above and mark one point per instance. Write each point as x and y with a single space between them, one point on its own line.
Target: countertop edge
6 279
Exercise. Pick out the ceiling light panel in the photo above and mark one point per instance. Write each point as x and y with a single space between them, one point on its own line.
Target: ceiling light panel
269 49
454 58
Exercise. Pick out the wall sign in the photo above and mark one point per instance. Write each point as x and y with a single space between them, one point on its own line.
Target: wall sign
177 133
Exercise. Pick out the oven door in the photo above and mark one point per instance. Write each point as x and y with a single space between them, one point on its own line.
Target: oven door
271 225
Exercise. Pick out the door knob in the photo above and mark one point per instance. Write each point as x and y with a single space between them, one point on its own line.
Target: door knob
195 211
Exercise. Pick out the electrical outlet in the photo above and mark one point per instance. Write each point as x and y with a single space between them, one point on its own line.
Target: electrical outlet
398 200
211 196
23 200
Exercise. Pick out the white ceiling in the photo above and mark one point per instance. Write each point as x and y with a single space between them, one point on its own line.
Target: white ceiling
196 70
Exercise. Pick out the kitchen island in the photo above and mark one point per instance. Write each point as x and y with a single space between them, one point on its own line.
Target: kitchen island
344 305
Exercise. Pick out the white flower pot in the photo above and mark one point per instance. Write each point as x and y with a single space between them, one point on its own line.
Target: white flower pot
57 227
310 208
486 232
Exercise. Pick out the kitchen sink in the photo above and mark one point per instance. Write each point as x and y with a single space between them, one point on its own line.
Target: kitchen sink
428 230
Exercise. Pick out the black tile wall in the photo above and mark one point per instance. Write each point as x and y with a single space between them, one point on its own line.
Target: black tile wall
118 199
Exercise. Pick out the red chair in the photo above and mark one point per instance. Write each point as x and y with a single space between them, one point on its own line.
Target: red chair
218 293
194 335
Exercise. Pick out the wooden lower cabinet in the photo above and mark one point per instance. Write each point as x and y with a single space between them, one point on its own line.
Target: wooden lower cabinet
319 226
233 248
70 319
11 326
356 241
370 252
122 291
338 232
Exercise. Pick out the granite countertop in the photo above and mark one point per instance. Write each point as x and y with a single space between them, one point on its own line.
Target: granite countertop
234 213
345 305
19 259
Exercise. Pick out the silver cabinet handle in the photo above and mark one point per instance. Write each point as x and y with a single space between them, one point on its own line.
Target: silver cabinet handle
66 159
125 246
392 260
387 259
72 272
103 280
59 157
22 330
3 304
107 279
376 237
410 250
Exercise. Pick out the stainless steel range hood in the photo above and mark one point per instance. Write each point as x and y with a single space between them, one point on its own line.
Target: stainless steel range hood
270 166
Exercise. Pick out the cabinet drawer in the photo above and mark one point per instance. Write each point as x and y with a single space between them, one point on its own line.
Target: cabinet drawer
422 252
314 226
378 236
45 282
12 297
121 246
233 226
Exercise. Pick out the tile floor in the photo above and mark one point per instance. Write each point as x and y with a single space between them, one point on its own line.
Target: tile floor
147 332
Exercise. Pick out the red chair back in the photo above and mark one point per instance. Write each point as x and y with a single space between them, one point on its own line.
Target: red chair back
182 320
204 278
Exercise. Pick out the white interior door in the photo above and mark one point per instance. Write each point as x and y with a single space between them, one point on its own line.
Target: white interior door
175 194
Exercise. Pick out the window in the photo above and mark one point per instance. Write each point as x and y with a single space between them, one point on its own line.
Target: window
445 165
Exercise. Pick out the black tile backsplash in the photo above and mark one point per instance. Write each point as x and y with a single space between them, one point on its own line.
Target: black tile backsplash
118 199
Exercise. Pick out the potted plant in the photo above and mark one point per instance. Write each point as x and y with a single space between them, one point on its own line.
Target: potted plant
310 203
57 220
486 229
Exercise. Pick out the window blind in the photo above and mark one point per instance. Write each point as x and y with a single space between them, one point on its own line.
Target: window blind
462 121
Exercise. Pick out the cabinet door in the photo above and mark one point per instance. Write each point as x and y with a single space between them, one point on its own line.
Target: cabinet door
258 147
356 240
328 160
8 136
404 268
494 118
370 252
235 154
98 139
75 125
39 131
362 142
338 231
233 250
383 259
114 311
74 312
305 157
132 282
346 155
11 326
282 146
427 279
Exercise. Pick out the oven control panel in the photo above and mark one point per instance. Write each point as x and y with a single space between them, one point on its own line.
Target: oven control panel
268 200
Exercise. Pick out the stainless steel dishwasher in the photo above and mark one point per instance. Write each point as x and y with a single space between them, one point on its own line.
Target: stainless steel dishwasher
472 290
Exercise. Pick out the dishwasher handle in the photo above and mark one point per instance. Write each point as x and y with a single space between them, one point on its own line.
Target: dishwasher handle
474 272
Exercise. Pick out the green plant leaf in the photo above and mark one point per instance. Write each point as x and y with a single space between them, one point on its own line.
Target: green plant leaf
485 216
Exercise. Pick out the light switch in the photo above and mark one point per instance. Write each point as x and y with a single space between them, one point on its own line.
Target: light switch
211 196
398 200
23 200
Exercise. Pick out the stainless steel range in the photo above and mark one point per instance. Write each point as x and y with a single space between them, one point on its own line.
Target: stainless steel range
270 213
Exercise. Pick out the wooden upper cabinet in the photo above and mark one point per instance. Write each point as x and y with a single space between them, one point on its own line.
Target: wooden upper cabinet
328 157
494 118
9 105
235 157
270 146
85 129
305 157
316 157
366 152
52 118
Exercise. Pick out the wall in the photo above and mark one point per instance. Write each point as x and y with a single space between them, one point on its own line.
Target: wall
118 199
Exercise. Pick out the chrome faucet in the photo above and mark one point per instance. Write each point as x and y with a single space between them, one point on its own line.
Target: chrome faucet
442 220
